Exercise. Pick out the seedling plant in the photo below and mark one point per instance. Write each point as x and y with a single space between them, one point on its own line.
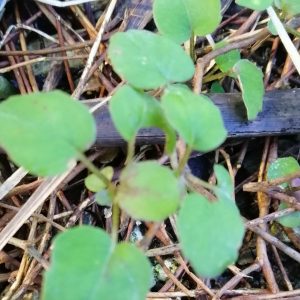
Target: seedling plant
86 262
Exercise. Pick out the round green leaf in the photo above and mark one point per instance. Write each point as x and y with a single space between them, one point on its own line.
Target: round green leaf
85 266
148 191
132 110
217 88
147 60
252 86
6 88
127 108
227 61
292 220
289 7
210 234
94 183
197 120
103 198
198 17
255 4
224 189
129 275
44 131
272 28
166 14
282 167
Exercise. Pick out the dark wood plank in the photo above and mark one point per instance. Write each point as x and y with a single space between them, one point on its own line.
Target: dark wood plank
280 115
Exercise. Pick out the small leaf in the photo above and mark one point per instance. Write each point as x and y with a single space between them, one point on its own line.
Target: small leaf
132 110
227 61
94 183
210 234
147 60
217 88
127 108
155 118
192 116
292 220
103 198
44 131
272 28
252 86
255 4
225 188
148 191
289 7
282 167
6 88
84 265
198 17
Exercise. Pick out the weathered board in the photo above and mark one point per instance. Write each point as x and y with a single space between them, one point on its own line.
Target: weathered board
280 115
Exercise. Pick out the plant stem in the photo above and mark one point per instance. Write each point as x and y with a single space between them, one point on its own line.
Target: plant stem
111 189
204 183
92 168
183 161
288 44
214 77
115 223
130 151
292 31
192 47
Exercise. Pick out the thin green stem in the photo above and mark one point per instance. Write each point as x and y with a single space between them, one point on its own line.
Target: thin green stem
92 168
205 184
115 222
183 161
292 31
111 189
214 77
130 151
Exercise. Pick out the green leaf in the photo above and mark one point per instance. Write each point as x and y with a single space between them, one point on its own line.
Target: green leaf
282 167
127 108
155 118
147 60
94 183
272 28
132 110
103 198
227 61
217 88
192 116
198 17
85 266
292 220
289 7
210 234
224 189
252 86
255 4
6 88
148 191
44 131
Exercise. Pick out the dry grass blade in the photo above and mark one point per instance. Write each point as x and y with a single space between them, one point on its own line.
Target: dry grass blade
64 4
31 205
11 182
